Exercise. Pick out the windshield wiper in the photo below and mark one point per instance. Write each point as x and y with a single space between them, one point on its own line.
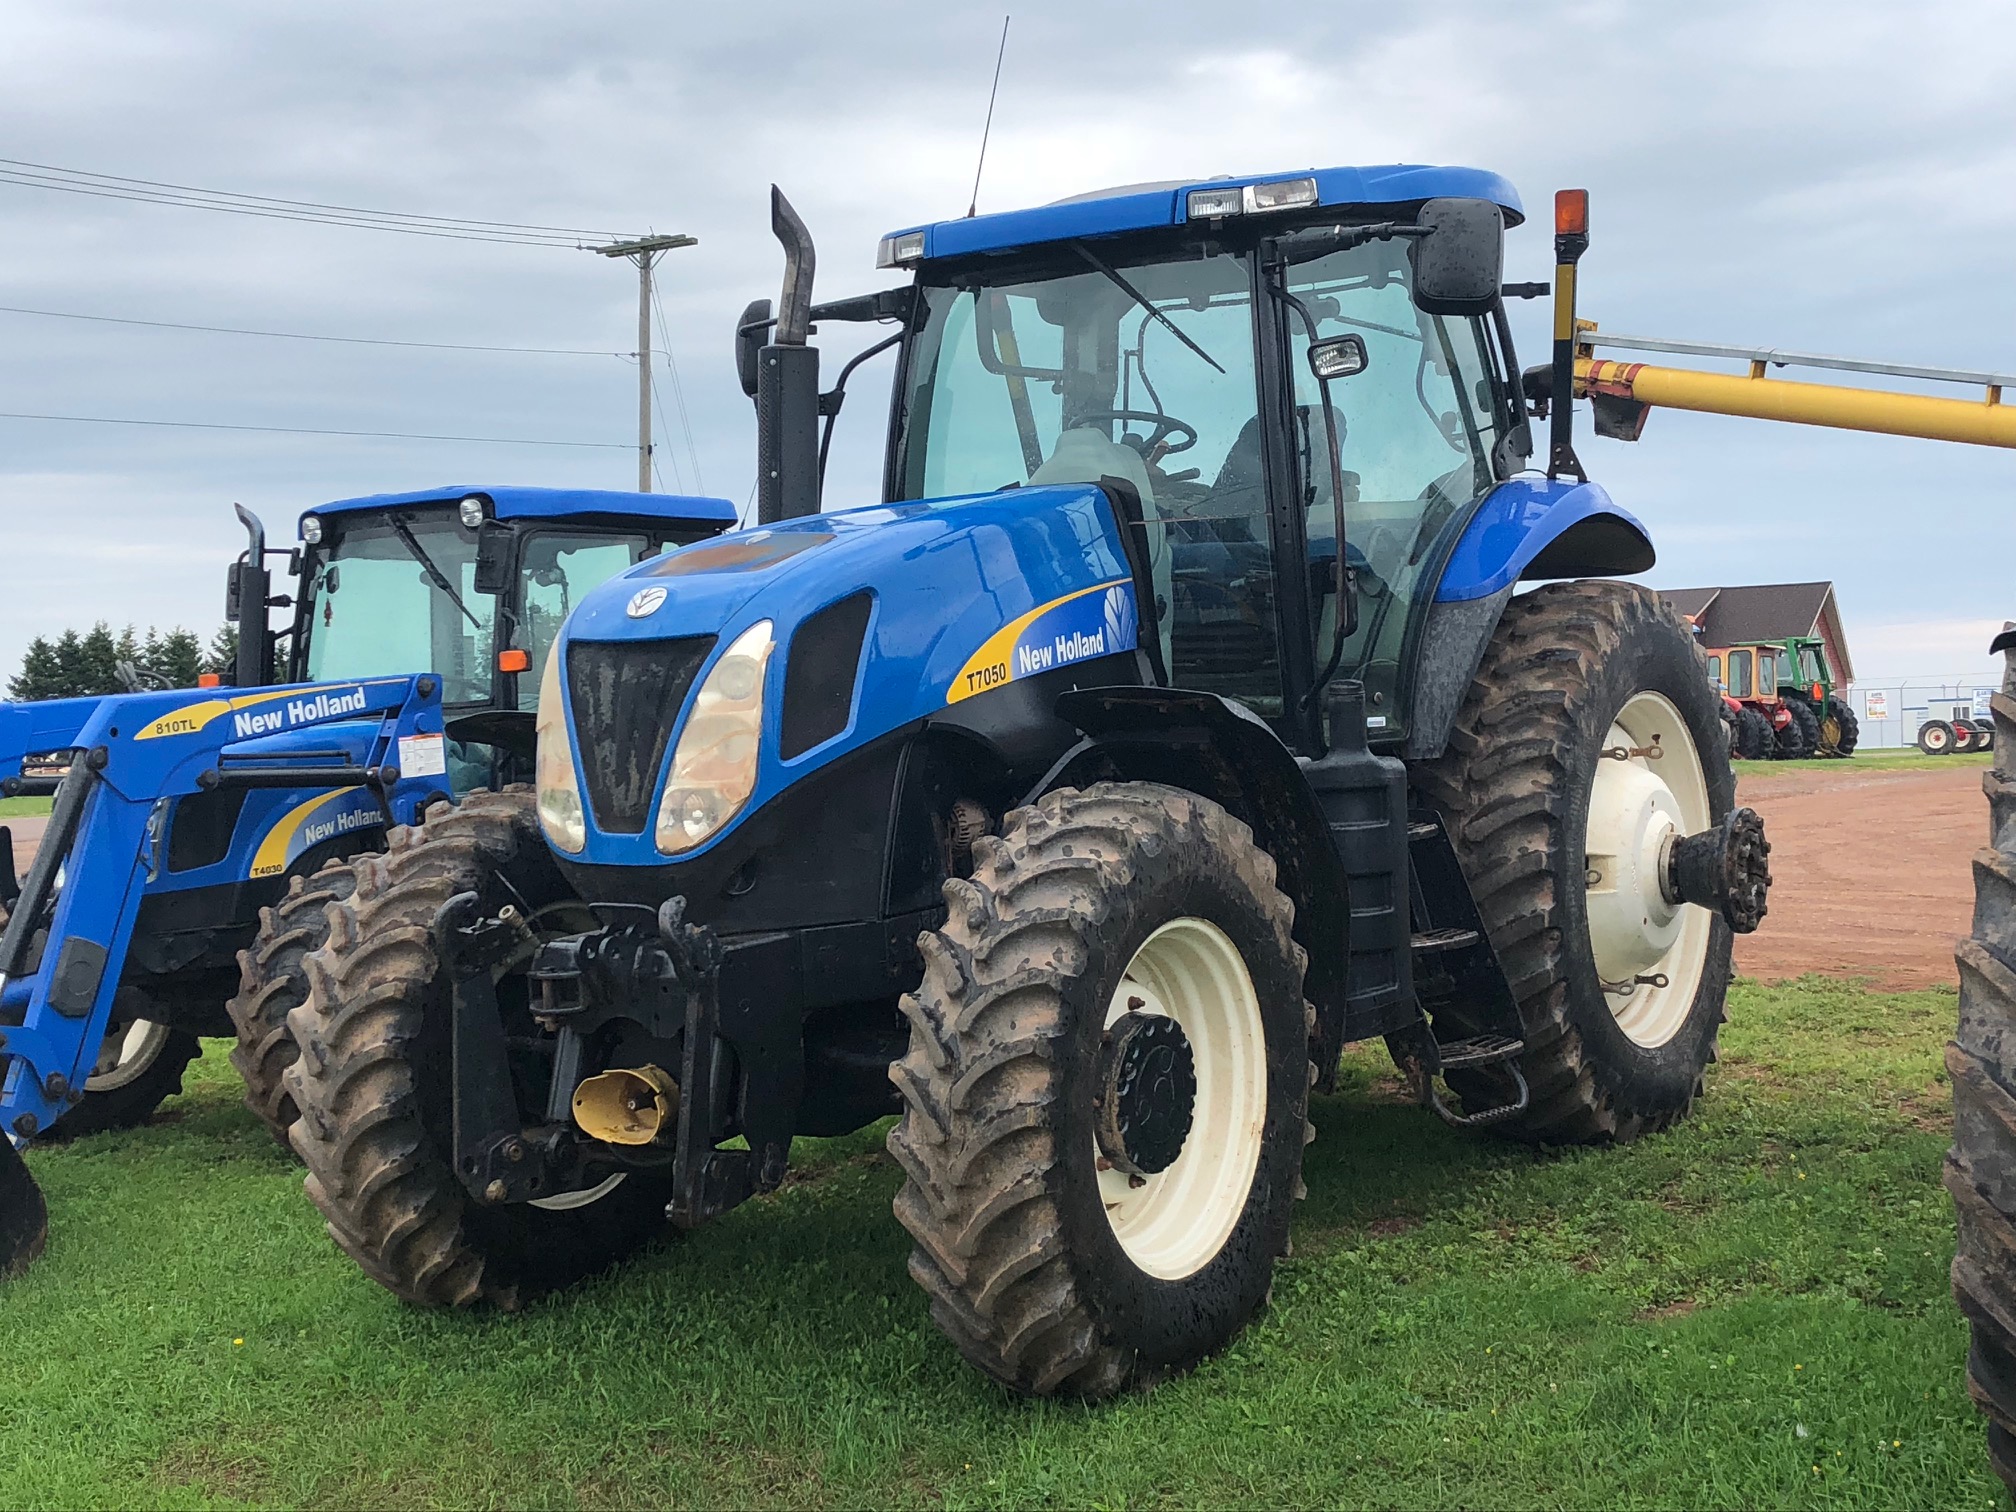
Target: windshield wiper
1135 294
434 574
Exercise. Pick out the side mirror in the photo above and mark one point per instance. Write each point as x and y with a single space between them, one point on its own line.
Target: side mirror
493 557
234 592
752 334
1338 357
1460 263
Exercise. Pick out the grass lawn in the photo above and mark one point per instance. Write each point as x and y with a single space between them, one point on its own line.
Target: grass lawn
1880 761
10 807
1751 1310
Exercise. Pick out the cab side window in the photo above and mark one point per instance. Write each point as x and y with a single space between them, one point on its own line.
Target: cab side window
1767 674
1739 674
1715 670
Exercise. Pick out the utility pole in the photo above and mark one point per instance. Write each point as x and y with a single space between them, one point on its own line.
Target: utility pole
644 251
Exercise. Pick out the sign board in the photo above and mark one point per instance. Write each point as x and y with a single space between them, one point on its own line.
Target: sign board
1876 704
1982 700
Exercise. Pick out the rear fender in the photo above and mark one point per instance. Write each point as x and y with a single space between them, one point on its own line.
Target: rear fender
1533 528
1222 751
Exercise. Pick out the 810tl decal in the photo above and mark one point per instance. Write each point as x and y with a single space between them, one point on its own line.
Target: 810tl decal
1096 621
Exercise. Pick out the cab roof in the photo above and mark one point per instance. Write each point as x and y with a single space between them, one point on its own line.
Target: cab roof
516 503
1140 207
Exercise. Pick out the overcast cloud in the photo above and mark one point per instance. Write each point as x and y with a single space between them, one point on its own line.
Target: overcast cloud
1833 177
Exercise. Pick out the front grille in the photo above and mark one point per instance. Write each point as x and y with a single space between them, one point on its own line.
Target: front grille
626 697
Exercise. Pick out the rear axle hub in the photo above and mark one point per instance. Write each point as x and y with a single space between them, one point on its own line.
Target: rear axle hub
1147 1093
1726 870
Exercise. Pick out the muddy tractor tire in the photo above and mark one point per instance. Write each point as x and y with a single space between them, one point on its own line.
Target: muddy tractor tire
373 1080
1578 679
1981 1166
1106 1090
273 982
139 1067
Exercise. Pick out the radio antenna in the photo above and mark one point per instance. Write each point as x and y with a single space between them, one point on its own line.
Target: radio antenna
974 205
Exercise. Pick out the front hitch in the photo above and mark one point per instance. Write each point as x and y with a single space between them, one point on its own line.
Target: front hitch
1726 870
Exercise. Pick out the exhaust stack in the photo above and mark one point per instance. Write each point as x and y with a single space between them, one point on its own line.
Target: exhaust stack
787 384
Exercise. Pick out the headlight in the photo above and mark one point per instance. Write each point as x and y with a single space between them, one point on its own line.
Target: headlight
311 529
558 782
714 767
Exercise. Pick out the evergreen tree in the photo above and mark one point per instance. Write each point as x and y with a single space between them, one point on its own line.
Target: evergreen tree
222 657
73 677
41 673
176 658
98 669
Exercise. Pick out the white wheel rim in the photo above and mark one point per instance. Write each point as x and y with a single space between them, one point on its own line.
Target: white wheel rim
1173 1223
1649 953
565 1202
129 1048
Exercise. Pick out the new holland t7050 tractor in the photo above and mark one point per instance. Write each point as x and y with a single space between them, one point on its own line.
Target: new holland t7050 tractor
1177 717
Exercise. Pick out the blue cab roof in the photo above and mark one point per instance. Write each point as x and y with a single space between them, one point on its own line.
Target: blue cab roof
515 503
1140 207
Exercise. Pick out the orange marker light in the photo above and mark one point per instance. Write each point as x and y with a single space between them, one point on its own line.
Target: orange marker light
209 680
1571 212
514 660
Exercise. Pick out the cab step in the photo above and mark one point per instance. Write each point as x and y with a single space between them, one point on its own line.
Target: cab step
1480 1050
1428 941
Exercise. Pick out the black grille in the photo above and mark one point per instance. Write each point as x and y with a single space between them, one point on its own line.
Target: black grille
626 697
819 675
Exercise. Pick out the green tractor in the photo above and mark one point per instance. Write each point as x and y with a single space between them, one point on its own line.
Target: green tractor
1806 682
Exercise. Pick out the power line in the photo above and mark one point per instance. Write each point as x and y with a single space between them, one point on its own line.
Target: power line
148 191
297 430
435 346
679 400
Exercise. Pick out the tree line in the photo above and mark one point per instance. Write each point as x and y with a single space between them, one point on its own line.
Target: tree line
102 660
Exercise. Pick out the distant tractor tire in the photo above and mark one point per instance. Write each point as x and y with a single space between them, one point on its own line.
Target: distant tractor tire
1754 740
373 1080
1935 738
140 1063
1840 730
1619 1018
1963 735
1800 737
1106 1091
1981 1166
273 982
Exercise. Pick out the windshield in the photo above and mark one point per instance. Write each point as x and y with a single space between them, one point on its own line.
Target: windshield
1136 370
378 610
558 568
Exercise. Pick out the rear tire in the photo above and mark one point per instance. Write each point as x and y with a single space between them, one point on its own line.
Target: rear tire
140 1067
1840 731
1124 904
1981 1166
273 982
1963 735
1515 789
373 1080
1935 737
1800 739
1754 741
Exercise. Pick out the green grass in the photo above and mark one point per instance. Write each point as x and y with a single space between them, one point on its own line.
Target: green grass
1886 761
10 807
1751 1310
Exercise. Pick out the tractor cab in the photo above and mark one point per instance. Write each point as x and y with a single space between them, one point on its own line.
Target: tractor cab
472 584
1261 365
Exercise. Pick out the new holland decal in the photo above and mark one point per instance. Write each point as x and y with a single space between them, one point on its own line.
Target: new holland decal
251 715
323 817
1097 621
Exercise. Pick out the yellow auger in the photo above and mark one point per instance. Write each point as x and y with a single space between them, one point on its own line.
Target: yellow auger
1621 392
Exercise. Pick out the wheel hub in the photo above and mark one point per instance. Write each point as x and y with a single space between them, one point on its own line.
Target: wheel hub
1633 819
1147 1093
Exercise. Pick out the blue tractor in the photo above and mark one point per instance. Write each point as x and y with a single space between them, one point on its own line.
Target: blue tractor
470 582
1175 720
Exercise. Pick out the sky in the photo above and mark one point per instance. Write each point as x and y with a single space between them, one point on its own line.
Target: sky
1835 177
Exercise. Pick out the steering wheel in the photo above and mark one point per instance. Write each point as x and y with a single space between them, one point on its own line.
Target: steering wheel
1165 426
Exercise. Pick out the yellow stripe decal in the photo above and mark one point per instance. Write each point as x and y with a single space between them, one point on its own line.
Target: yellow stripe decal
272 856
1108 628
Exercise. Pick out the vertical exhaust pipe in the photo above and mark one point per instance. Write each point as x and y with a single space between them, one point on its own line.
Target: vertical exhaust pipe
251 586
787 384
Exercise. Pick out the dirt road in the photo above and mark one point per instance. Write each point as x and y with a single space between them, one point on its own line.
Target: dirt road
1871 872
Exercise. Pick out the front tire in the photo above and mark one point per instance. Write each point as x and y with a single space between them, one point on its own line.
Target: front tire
1754 741
1840 731
273 982
373 1081
1094 921
1575 670
139 1067
1935 738
1800 738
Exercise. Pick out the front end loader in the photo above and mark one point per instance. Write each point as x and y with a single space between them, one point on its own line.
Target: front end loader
1174 720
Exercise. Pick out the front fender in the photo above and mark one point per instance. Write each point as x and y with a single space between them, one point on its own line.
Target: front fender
1219 749
1530 528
